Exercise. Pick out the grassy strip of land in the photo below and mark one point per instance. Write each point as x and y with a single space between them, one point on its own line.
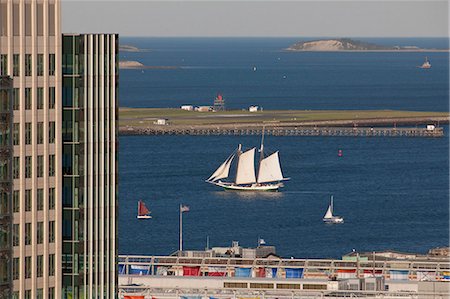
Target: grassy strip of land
145 117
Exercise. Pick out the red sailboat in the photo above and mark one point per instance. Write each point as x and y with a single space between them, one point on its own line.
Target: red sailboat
143 212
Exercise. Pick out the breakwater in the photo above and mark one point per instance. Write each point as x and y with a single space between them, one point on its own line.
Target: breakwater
287 131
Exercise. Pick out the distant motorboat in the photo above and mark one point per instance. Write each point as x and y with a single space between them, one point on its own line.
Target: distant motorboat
143 211
426 64
254 68
329 217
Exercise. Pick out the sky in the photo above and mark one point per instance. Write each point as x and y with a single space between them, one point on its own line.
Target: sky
253 18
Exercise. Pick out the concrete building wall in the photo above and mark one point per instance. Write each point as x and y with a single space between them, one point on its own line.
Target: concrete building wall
30 43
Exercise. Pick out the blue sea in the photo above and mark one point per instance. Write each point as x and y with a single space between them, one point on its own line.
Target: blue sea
392 192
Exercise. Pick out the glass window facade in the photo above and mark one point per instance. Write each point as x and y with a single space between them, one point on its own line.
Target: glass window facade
16 99
40 98
40 133
51 98
51 132
28 204
51 64
40 65
28 235
28 64
51 198
78 143
6 214
3 64
28 166
28 133
40 199
40 232
16 65
28 269
28 98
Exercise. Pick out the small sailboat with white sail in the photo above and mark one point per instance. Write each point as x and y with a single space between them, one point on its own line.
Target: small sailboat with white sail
329 217
426 64
269 176
143 211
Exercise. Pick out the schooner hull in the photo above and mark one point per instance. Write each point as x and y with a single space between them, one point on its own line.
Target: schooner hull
254 187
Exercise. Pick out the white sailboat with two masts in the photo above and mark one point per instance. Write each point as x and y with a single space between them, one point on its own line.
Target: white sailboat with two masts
269 176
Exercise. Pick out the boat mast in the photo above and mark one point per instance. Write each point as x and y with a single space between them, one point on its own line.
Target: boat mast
238 154
261 151
331 204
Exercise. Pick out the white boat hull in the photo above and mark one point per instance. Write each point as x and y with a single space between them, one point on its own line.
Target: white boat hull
334 220
253 187
144 217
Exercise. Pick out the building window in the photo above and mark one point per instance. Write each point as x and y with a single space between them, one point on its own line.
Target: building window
40 166
51 165
40 65
51 132
16 167
40 132
16 134
40 19
51 265
51 98
16 65
40 98
16 268
28 133
314 286
28 292
16 234
51 19
51 64
40 199
27 98
27 17
16 99
28 267
39 265
237 285
51 231
27 234
28 167
16 201
51 198
40 232
28 200
39 292
3 64
28 64
51 293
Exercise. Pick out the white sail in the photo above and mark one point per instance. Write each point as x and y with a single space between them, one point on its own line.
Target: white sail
223 170
270 169
246 168
329 213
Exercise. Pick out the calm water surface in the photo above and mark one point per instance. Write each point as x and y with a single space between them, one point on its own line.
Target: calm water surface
392 192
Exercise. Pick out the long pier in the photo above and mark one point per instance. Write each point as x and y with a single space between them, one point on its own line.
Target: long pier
288 131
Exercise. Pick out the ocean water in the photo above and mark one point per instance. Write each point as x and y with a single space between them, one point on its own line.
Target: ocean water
392 192
283 80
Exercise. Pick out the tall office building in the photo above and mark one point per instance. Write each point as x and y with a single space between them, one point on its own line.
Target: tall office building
58 190
90 77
